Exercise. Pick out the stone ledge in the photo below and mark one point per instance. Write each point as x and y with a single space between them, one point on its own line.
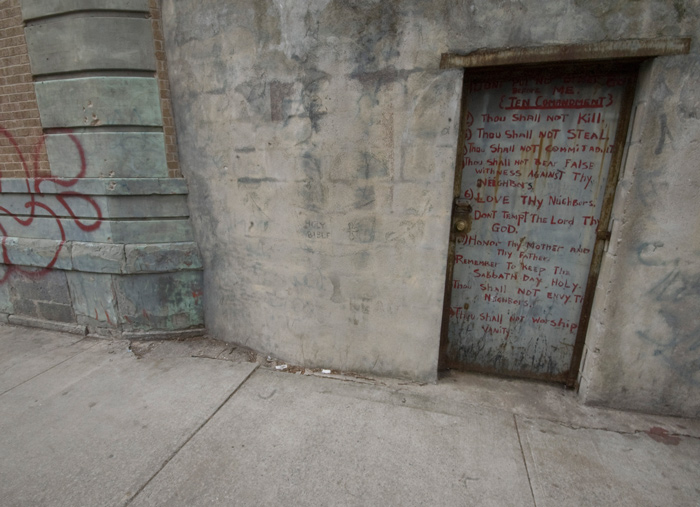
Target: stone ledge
174 230
40 8
95 186
108 258
81 330
37 253
18 320
578 52
97 257
86 207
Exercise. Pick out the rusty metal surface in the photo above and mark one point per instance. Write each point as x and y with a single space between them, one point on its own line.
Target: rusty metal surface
522 315
442 357
604 50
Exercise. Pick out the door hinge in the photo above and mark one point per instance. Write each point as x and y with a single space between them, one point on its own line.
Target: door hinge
603 235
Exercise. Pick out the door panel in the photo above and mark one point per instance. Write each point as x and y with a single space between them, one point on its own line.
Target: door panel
532 181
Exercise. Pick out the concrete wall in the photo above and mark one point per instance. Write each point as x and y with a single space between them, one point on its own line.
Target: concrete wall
319 142
643 346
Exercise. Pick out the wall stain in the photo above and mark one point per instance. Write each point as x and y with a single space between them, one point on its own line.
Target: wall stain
360 308
646 254
279 92
337 296
313 81
360 260
662 435
663 120
377 37
371 166
362 231
313 192
245 180
254 91
364 197
678 295
382 77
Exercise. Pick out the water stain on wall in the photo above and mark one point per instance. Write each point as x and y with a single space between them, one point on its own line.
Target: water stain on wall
313 192
362 231
675 337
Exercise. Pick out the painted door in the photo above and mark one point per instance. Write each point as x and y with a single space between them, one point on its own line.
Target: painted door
533 193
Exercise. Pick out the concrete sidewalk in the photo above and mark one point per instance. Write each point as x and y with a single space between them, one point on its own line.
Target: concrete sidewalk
87 422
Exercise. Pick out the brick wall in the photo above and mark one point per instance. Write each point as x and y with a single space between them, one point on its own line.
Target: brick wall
19 113
164 86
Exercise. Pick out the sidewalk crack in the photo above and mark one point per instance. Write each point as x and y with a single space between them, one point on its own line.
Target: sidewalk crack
186 441
522 452
55 365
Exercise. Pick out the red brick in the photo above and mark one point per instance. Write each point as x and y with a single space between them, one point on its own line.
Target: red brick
19 113
164 88
13 31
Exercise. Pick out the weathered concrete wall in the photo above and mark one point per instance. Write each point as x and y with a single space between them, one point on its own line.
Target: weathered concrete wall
319 140
643 346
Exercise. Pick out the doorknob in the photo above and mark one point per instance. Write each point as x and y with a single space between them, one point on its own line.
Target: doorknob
460 225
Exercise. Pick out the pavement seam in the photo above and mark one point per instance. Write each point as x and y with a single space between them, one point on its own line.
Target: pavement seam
54 366
187 440
522 452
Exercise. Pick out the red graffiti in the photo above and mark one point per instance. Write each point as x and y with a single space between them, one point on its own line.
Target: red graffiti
35 202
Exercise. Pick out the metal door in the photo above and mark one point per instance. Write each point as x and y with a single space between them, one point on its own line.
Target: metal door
539 156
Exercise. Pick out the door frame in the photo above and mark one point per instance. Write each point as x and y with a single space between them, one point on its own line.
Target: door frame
628 66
